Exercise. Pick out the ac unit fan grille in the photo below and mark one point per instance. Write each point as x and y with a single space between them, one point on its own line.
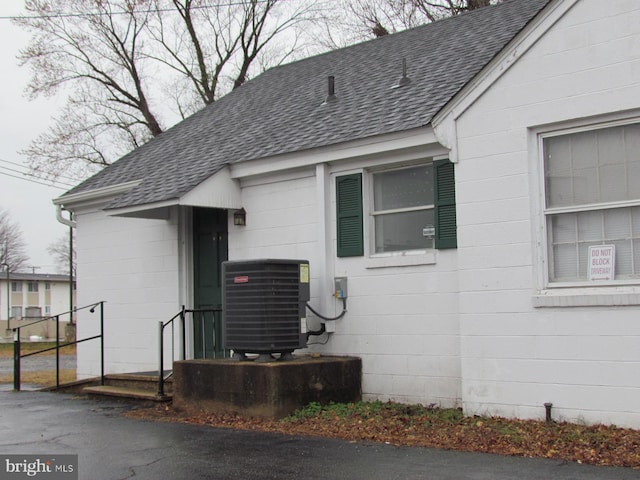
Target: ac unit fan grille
262 306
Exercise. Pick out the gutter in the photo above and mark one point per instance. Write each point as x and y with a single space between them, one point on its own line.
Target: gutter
87 197
62 220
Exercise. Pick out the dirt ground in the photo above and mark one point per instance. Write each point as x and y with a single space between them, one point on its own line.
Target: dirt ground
411 425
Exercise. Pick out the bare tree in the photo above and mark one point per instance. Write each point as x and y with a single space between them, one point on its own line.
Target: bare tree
63 255
214 47
12 244
380 17
135 66
132 67
97 51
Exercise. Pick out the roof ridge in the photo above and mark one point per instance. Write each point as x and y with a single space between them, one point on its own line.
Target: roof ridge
368 41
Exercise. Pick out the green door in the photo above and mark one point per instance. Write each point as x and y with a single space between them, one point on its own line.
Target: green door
209 251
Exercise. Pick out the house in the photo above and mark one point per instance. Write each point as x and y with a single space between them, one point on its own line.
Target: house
484 208
28 297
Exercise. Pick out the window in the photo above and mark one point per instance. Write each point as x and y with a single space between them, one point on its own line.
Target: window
16 313
32 286
47 285
592 197
33 312
412 208
16 286
402 208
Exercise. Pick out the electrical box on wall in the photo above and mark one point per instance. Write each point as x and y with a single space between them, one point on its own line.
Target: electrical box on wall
340 287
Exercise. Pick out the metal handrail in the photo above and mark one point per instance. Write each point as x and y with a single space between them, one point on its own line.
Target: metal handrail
161 326
16 344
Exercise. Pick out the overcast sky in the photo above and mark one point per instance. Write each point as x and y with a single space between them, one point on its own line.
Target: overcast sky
22 120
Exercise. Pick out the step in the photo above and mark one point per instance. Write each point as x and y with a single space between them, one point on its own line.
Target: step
138 381
126 392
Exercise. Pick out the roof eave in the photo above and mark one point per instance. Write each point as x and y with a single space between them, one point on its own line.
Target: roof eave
155 210
97 195
218 190
361 148
444 122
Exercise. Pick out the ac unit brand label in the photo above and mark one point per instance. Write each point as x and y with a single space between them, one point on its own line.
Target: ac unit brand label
304 273
241 279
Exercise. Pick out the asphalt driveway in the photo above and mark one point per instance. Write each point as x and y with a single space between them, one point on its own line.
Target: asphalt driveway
111 446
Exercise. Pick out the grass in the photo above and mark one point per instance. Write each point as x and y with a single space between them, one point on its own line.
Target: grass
44 378
6 349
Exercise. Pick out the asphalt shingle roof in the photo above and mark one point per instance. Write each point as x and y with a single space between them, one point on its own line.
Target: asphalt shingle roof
281 110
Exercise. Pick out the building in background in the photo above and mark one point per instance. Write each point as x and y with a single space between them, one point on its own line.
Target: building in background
28 297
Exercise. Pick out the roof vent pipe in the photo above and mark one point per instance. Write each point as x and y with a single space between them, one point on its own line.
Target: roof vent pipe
331 90
404 80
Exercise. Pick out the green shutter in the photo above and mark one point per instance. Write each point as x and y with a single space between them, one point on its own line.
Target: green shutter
349 215
445 205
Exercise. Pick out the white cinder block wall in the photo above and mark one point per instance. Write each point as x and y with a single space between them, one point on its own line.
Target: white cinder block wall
281 221
132 265
516 357
402 318
402 321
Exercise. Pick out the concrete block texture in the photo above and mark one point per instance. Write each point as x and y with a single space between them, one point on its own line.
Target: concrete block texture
269 390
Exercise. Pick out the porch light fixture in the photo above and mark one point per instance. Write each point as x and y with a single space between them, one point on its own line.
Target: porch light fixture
240 217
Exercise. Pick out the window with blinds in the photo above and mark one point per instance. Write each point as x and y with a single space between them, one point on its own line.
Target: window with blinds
592 197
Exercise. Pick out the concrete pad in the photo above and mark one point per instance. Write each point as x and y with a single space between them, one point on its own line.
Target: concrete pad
268 390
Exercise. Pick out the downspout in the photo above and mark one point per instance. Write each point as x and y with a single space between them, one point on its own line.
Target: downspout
62 220
70 331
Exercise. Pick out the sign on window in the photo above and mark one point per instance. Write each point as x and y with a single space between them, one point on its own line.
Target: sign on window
602 261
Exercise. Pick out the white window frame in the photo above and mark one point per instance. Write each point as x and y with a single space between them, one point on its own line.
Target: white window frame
580 293
16 312
420 256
